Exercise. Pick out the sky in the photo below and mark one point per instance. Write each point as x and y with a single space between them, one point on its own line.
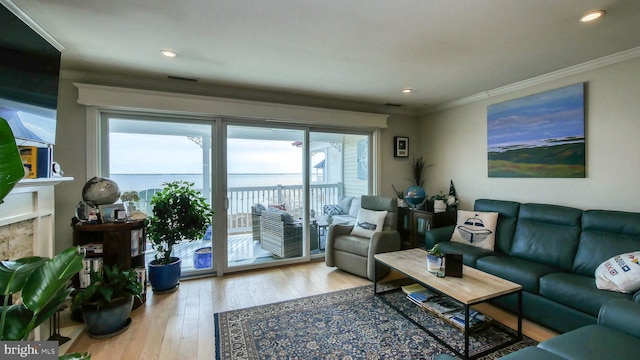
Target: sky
153 154
552 114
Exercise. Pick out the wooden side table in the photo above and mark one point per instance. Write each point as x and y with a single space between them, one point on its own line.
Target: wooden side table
413 224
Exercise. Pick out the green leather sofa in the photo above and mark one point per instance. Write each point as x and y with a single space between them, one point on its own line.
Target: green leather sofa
552 251
615 336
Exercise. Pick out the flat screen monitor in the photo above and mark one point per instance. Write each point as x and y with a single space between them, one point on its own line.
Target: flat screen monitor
29 76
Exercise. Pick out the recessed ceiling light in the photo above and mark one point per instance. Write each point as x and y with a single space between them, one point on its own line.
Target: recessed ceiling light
407 91
592 15
169 53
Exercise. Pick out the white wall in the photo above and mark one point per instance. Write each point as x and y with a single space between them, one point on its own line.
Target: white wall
455 140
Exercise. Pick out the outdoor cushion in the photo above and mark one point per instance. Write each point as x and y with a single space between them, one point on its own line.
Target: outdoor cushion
476 228
345 204
520 271
576 291
355 206
332 210
284 216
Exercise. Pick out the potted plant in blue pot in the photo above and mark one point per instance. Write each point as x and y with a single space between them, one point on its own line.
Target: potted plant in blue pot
180 213
106 303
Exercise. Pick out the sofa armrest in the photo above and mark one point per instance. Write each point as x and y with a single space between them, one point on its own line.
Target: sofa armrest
636 297
381 242
334 231
384 241
621 315
438 235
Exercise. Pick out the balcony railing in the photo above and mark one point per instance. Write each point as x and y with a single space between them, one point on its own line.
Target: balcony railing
241 200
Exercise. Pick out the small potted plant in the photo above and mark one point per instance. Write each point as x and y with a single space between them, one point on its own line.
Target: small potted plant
106 303
129 197
180 213
439 202
400 196
434 259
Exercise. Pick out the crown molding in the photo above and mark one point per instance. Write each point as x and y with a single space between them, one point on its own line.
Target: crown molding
32 24
552 76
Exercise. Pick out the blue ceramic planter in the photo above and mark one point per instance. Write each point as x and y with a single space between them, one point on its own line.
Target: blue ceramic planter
164 277
109 319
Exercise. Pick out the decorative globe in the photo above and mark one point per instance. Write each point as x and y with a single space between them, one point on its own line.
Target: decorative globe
415 196
101 191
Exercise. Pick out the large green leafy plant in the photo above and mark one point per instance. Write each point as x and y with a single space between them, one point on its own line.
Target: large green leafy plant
11 170
110 284
43 286
179 213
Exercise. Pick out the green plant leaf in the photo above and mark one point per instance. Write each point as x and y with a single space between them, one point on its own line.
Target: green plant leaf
14 274
16 325
47 280
75 356
11 169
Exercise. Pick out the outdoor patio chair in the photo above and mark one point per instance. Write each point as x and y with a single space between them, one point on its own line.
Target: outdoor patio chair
281 235
353 253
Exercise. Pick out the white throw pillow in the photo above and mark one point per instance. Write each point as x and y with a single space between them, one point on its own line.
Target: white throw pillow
476 228
621 273
368 222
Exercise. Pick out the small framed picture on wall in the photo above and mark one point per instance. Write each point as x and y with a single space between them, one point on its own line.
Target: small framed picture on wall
401 146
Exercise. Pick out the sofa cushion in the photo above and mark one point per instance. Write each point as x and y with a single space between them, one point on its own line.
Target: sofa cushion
368 222
531 353
521 271
332 210
469 253
352 244
507 218
284 216
576 291
355 206
605 234
593 342
620 273
345 204
547 234
476 228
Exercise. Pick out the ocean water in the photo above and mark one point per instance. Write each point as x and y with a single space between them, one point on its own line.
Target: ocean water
139 182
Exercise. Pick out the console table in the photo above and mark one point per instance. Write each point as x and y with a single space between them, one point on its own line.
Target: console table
413 224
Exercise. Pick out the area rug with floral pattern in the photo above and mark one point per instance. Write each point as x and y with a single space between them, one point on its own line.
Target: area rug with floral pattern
346 324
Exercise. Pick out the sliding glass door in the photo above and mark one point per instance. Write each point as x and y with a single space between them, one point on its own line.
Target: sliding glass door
144 153
265 211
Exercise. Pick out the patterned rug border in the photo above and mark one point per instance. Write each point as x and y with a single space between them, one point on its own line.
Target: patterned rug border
237 334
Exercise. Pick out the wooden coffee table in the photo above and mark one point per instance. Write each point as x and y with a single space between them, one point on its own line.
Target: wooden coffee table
472 288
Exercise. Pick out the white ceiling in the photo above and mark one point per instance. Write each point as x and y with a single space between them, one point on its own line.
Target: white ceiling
354 50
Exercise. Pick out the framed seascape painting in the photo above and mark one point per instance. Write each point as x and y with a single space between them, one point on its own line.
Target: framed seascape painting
540 135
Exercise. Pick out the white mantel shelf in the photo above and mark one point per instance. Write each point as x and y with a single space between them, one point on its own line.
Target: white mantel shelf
43 181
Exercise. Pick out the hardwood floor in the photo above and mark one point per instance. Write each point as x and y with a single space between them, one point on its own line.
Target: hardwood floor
180 325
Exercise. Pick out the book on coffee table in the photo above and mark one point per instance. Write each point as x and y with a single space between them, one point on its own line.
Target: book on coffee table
420 297
476 319
442 305
408 289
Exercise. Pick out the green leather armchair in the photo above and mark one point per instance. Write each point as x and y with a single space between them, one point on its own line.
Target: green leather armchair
354 254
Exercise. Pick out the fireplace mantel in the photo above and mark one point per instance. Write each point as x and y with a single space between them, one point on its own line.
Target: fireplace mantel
27 219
